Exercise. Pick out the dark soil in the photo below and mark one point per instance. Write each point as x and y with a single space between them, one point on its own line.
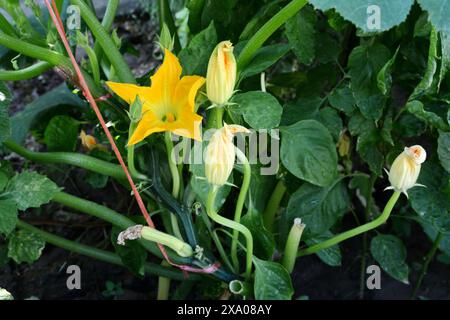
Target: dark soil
46 279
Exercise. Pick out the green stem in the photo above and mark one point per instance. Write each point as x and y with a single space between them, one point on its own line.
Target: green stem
109 48
215 119
6 27
240 205
107 22
25 73
31 50
99 254
267 30
165 16
130 155
428 258
273 204
75 159
109 215
163 285
356 231
292 243
93 62
175 181
232 225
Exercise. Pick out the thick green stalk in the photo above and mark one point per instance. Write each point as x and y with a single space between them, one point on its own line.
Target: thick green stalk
31 50
111 216
6 27
107 22
75 159
215 118
428 258
25 73
292 243
267 30
163 285
109 48
273 204
165 16
93 62
99 254
240 205
232 225
356 231
175 181
130 155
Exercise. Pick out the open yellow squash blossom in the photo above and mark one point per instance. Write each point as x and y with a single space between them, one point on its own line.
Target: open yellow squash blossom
168 104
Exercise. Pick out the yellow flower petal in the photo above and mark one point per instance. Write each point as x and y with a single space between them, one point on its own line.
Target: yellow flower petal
189 126
165 80
149 124
126 91
186 90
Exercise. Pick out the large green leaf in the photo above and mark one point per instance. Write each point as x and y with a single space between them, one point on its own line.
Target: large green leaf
8 216
264 58
318 207
384 77
25 246
390 253
260 109
272 281
301 34
428 84
60 97
194 58
432 203
61 134
31 190
342 99
365 62
417 108
437 13
5 123
444 149
309 153
332 255
392 13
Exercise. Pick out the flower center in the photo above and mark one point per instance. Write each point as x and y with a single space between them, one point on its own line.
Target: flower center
169 117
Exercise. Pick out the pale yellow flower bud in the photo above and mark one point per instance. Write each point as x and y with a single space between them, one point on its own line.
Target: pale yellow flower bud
406 168
88 141
221 75
220 154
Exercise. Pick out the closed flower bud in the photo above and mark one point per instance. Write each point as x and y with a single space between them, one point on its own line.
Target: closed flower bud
406 168
221 75
220 154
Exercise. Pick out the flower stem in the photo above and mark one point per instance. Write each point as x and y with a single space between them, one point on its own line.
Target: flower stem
25 73
273 204
240 205
215 119
356 231
99 254
428 258
109 48
108 18
232 225
175 181
163 285
267 30
130 155
292 243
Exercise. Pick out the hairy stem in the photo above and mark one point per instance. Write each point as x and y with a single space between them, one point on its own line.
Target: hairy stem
232 225
109 48
356 231
267 30
99 254
240 205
